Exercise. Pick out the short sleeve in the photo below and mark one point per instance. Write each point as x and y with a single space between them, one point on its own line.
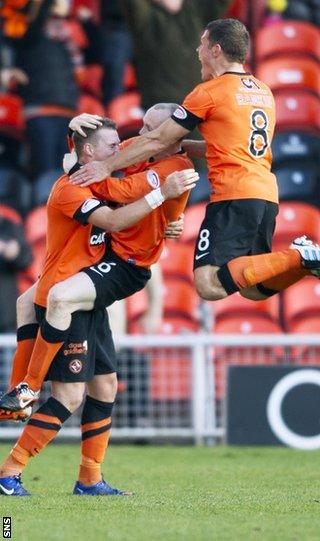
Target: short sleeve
75 202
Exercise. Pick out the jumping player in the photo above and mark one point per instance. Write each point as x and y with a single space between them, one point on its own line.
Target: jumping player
235 113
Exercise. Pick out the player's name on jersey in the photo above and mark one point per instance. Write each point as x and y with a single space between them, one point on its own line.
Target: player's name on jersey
254 99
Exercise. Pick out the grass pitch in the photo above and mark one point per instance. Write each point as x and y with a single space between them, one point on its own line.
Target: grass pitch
181 493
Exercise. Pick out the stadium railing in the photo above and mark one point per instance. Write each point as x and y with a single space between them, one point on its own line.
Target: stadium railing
173 387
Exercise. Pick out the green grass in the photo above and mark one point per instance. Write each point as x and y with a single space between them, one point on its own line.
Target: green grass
181 493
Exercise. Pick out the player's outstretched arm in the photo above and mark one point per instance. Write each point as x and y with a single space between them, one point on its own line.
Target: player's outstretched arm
115 220
145 146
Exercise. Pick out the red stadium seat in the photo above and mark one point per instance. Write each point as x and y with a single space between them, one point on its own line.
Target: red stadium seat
306 354
171 369
301 300
180 299
225 356
287 38
38 252
10 214
250 13
91 80
294 220
89 104
193 218
289 72
11 117
136 305
177 260
169 325
36 225
171 374
240 306
130 81
92 5
298 110
126 111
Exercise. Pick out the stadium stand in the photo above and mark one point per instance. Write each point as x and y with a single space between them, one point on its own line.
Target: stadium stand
225 356
298 181
180 299
308 355
192 221
176 261
285 54
298 110
125 110
242 307
300 301
290 38
293 218
283 73
35 228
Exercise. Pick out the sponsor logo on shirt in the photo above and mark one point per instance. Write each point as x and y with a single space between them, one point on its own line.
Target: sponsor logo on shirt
97 239
180 113
153 179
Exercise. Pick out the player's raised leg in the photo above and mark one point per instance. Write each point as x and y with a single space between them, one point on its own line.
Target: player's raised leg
75 293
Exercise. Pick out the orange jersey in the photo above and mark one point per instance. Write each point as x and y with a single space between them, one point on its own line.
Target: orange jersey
143 242
73 244
235 114
70 245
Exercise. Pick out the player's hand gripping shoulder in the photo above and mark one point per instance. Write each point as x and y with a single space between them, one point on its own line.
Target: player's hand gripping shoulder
174 229
84 121
90 173
179 182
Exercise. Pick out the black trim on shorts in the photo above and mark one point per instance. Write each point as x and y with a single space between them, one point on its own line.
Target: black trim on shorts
26 332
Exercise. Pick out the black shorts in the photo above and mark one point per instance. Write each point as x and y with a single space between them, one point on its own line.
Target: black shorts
115 279
89 350
235 228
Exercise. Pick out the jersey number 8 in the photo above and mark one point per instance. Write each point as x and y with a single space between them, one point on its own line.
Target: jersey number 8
258 142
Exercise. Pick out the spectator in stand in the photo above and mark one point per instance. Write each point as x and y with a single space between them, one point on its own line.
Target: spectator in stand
15 256
166 35
49 58
116 48
300 10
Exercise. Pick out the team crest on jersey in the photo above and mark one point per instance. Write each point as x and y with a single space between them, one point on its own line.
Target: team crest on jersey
180 113
89 204
153 179
75 366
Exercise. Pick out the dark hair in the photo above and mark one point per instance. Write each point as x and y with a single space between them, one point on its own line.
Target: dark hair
232 36
91 134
